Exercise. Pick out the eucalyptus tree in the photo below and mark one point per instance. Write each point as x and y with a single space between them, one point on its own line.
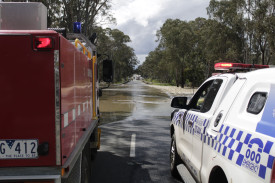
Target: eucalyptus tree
176 37
155 65
202 53
181 53
112 44
89 12
229 26
252 24
261 23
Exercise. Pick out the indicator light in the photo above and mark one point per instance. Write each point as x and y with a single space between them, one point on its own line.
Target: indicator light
43 43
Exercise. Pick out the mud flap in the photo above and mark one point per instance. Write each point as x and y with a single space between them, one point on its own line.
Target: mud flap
95 139
75 175
185 174
95 142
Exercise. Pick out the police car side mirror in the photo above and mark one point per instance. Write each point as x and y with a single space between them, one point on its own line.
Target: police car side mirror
179 102
108 70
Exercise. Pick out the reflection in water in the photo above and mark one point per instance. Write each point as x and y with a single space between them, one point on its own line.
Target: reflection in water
134 100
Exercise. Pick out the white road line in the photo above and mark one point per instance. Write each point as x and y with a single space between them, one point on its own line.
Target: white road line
133 146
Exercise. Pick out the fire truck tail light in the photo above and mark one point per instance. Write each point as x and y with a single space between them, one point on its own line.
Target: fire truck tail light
43 43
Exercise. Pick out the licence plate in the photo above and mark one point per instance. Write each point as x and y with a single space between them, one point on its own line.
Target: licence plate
18 149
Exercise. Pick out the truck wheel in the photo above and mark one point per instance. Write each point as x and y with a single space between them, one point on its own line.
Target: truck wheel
93 153
86 164
174 158
94 142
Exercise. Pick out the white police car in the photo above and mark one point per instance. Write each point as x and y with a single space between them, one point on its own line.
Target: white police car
226 133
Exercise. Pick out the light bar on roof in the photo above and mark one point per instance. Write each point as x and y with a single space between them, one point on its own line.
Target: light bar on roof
237 66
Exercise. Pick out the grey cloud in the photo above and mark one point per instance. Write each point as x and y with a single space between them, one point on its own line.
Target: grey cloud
144 38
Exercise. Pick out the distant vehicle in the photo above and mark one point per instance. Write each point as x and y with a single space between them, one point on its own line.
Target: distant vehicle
226 133
137 77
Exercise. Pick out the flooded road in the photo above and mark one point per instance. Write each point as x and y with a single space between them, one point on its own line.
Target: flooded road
135 137
134 100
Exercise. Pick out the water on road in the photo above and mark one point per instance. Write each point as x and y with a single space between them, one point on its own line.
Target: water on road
134 100
135 138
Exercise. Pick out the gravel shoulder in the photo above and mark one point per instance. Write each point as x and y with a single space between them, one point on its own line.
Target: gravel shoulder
175 91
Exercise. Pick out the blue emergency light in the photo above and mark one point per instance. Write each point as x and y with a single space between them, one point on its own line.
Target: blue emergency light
77 27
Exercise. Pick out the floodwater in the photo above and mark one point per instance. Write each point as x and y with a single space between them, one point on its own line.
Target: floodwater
134 100
135 135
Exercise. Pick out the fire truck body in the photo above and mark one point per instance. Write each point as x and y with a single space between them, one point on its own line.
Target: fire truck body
49 104
28 96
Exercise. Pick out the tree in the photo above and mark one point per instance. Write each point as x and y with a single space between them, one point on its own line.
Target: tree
260 21
176 37
228 17
113 45
252 23
87 12
179 54
236 31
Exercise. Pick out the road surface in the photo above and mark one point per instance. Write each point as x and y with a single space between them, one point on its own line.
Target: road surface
135 138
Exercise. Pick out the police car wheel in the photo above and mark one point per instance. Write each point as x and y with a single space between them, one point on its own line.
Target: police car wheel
174 158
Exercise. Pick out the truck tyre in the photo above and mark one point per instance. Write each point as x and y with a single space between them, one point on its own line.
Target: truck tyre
93 153
86 164
174 158
94 142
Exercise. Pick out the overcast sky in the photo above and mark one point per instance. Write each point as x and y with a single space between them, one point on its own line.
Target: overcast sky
140 19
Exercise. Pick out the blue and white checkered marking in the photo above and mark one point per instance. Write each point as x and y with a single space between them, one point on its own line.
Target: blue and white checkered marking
242 148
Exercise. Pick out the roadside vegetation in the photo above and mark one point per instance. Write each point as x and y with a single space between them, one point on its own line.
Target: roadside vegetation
236 31
156 82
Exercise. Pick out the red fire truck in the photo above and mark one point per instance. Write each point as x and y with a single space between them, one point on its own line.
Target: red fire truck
49 99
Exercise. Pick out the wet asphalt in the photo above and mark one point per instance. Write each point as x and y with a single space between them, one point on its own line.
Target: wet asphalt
135 137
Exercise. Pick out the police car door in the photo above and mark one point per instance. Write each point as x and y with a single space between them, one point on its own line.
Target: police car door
202 108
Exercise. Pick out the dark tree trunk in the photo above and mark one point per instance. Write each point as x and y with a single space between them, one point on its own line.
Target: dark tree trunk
182 77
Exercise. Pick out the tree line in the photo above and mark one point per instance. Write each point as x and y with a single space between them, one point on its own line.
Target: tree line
236 31
111 43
